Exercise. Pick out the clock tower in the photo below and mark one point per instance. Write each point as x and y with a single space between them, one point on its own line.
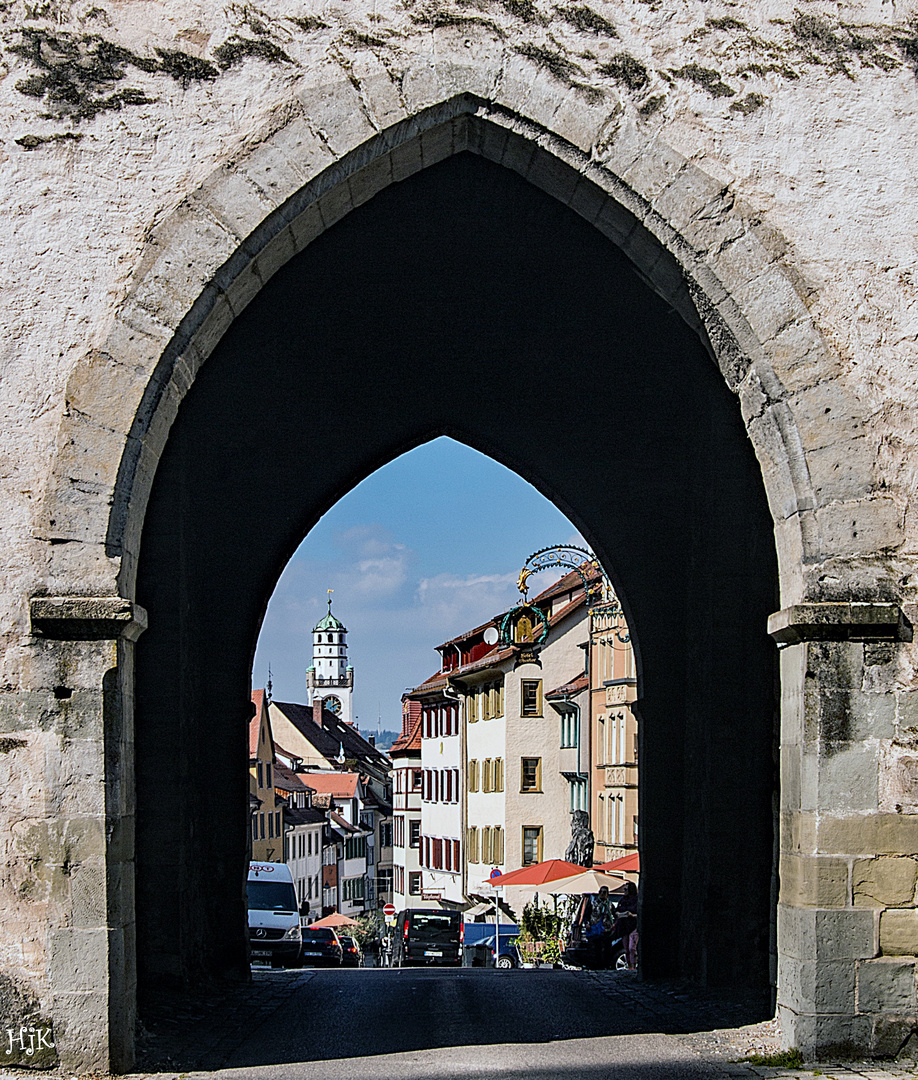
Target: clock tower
330 677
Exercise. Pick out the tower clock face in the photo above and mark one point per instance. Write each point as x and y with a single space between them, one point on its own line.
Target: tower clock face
333 705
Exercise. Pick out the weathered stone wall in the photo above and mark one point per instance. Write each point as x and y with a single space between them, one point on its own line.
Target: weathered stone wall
755 161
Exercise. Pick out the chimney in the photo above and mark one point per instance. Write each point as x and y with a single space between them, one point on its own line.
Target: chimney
317 710
371 739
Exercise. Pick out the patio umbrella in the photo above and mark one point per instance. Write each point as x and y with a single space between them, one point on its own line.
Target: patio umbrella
537 874
627 864
587 881
335 919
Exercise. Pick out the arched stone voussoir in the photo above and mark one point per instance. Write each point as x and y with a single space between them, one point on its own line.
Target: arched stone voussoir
679 226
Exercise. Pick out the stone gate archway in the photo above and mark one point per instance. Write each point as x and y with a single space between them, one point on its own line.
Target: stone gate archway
695 251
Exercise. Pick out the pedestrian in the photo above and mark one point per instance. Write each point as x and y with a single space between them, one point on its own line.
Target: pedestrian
602 922
626 923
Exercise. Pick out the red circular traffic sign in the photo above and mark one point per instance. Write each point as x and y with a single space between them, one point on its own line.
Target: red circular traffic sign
495 873
389 909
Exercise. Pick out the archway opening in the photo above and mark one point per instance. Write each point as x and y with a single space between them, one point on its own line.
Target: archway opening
464 301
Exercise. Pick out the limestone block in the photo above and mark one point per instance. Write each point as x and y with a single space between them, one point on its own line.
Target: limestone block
186 253
886 881
859 528
335 203
554 177
370 180
826 415
884 833
333 110
820 1037
816 986
695 205
235 200
813 881
588 197
843 472
406 160
800 357
653 174
741 259
898 778
816 934
306 226
576 125
899 932
437 144
81 1030
768 302
886 985
791 790
79 959
847 779
798 832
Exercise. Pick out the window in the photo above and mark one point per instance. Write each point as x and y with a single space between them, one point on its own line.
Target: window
398 832
457 858
497 775
531 774
277 828
254 827
471 708
486 844
601 741
268 774
455 785
261 775
417 779
447 855
486 784
353 888
438 854
497 845
447 785
531 697
473 775
355 847
472 844
414 833
261 826
270 825
414 883
384 880
570 729
532 844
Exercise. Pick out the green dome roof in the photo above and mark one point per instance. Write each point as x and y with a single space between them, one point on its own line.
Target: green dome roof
329 622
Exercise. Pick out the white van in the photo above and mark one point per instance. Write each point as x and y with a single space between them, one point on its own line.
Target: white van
274 919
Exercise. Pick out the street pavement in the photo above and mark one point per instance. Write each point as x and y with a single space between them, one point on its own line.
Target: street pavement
432 1024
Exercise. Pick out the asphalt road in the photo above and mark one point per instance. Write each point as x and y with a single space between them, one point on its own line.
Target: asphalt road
430 1024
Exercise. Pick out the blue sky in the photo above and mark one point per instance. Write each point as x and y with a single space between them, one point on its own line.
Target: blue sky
428 546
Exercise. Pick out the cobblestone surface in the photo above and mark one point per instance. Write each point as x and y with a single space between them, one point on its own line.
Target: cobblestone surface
206 1031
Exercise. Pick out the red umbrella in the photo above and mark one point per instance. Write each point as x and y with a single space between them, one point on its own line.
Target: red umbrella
335 919
537 874
627 864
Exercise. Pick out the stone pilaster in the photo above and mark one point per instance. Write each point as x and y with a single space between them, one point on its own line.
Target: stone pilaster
84 671
847 917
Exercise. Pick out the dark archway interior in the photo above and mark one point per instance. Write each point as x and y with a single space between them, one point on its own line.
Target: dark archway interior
464 301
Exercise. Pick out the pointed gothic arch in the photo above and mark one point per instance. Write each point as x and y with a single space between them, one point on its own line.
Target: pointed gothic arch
685 239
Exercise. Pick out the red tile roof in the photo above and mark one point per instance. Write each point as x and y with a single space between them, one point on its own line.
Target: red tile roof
286 780
258 700
406 743
341 785
570 689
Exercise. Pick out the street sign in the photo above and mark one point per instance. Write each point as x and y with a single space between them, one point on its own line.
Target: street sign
389 910
495 873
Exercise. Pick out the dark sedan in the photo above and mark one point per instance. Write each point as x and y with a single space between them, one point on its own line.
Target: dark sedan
352 953
321 947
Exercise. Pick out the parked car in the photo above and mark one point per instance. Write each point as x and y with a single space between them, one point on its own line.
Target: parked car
478 945
427 937
352 954
274 922
321 947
